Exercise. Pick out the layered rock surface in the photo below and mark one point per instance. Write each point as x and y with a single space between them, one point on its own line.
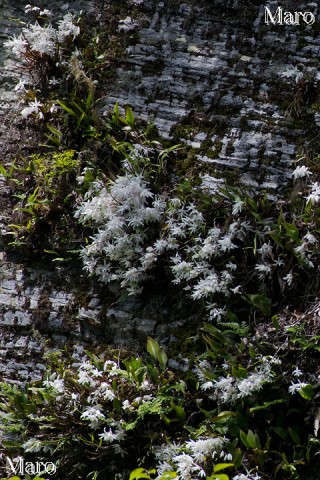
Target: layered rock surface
216 76
209 73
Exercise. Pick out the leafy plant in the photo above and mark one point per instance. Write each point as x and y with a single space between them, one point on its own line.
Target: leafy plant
50 180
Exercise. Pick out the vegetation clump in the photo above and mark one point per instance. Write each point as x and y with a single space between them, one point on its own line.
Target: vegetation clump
246 407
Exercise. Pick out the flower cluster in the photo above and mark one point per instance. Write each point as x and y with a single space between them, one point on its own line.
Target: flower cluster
200 256
189 460
96 406
229 389
41 51
43 39
125 213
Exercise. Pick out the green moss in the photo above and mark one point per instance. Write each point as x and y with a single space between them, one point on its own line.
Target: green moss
50 166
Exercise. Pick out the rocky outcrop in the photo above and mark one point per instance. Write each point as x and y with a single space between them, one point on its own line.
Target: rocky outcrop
214 75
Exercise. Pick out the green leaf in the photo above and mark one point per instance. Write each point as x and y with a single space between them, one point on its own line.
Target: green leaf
78 107
219 476
244 439
252 440
117 405
139 473
292 231
221 466
261 302
162 358
180 412
131 425
168 475
164 153
89 101
55 131
275 321
3 171
153 348
129 117
281 432
222 416
237 458
67 109
239 372
267 405
307 392
294 435
116 109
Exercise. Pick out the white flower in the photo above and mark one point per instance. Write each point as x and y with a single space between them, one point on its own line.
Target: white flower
253 383
263 269
217 313
94 417
87 374
127 24
145 385
301 252
226 244
314 196
45 12
247 476
292 72
207 286
237 206
202 448
278 262
296 387
105 392
33 108
21 86
108 437
228 457
41 39
225 390
126 405
53 81
55 382
231 266
33 445
183 271
110 365
208 249
265 250
229 389
301 249
301 172
297 372
17 45
206 386
310 238
236 290
184 463
122 214
203 365
29 8
288 278
67 28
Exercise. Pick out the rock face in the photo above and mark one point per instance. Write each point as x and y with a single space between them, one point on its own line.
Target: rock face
39 303
209 73
214 75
